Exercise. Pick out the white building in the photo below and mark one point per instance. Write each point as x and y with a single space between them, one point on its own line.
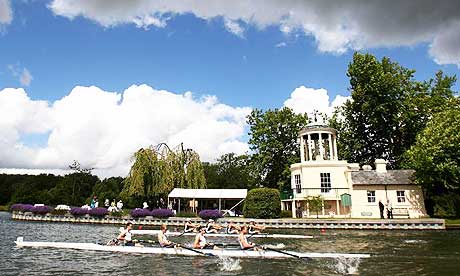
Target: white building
346 189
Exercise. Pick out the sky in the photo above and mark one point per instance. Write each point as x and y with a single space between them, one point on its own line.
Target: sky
96 80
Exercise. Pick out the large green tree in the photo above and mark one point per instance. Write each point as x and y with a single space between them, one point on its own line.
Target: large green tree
387 110
231 171
155 172
436 158
273 139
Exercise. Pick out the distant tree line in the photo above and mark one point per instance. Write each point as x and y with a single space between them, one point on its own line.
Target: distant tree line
412 124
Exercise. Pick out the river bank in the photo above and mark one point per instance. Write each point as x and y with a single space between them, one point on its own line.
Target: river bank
365 224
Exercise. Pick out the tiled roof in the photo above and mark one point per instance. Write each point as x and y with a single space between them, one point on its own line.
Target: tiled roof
387 178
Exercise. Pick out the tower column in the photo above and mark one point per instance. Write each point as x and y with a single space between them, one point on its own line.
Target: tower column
336 156
310 158
302 149
321 146
331 151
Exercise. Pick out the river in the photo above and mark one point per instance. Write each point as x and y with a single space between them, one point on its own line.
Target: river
393 253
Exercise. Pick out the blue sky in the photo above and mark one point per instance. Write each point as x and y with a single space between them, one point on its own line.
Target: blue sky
257 64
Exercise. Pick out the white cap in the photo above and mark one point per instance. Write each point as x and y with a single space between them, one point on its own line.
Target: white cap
210 220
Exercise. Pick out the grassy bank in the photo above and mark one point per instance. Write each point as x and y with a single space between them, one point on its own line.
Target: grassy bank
3 208
450 222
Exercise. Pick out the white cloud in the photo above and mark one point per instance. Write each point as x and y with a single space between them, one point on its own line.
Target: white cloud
103 129
281 44
336 26
25 77
307 100
6 14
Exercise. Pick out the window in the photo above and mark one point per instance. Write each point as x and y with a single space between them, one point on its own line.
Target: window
400 196
298 184
370 196
325 182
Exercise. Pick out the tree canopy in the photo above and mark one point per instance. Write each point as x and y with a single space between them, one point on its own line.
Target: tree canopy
273 140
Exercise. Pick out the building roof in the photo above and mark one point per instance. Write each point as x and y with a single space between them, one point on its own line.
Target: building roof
208 193
390 177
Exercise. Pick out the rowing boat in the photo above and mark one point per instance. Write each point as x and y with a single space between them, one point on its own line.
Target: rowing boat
261 235
184 251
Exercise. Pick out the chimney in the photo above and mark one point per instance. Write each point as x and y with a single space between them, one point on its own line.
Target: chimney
380 166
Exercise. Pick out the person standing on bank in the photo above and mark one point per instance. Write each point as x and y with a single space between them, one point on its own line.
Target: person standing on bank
382 208
389 209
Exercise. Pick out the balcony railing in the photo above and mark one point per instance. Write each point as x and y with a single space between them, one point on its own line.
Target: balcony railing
332 193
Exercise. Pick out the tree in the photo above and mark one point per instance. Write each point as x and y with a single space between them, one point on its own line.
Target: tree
230 172
262 203
156 171
108 188
436 155
387 110
273 138
315 204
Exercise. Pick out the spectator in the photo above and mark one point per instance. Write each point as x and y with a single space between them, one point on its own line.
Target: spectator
107 203
119 205
382 208
145 205
389 209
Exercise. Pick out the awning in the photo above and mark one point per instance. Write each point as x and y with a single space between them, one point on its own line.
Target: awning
208 193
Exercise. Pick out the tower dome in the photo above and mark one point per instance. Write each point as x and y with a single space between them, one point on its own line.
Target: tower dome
318 142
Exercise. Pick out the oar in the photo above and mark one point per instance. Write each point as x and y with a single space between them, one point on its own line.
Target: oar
196 251
145 241
286 253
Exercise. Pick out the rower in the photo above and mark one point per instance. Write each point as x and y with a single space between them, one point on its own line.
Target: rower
212 227
232 228
126 236
190 227
253 228
162 238
243 241
200 241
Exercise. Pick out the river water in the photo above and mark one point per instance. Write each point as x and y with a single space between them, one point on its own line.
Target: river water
393 253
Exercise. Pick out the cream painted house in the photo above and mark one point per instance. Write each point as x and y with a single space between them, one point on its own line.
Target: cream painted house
346 189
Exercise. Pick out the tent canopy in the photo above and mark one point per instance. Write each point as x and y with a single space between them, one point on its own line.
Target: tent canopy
208 193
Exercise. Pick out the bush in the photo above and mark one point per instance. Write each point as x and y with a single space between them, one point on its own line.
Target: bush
41 210
98 212
186 215
210 214
162 213
262 203
286 214
22 207
77 211
447 206
139 213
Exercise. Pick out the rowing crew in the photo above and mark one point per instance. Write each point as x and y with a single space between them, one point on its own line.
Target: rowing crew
231 228
200 241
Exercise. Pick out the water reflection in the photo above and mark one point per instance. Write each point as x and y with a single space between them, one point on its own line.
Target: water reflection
393 253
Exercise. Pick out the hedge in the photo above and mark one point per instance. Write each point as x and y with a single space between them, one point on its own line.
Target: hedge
262 203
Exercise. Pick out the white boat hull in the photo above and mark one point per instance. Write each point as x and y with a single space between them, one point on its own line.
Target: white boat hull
275 236
181 251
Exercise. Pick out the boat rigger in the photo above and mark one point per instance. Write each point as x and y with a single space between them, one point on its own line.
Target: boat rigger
186 252
261 235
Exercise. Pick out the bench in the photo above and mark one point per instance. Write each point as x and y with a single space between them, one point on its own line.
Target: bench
401 212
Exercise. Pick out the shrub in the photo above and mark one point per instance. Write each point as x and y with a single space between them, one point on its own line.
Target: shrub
262 203
286 214
186 215
41 210
77 211
162 213
22 207
98 212
139 213
210 214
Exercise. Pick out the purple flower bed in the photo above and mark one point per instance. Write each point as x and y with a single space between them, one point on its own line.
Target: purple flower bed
22 207
210 214
77 211
162 213
98 212
41 210
138 213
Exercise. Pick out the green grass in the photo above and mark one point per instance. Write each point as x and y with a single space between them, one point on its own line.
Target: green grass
3 208
452 221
